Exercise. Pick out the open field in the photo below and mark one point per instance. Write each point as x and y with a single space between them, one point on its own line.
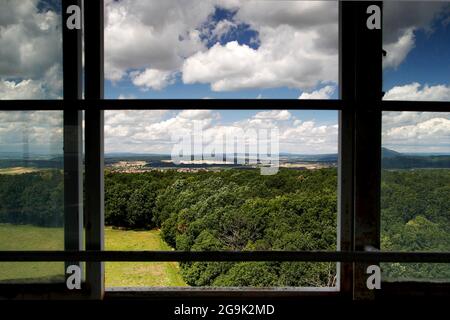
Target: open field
137 274
20 237
18 170
25 237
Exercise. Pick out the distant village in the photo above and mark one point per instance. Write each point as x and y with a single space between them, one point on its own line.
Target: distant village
140 166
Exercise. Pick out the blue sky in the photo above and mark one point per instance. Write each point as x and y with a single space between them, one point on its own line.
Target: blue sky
428 62
244 35
218 43
230 49
417 67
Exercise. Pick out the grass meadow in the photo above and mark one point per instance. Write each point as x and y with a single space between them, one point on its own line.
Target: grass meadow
18 170
118 274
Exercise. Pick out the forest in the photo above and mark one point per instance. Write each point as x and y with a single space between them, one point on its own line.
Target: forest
233 210
415 216
243 210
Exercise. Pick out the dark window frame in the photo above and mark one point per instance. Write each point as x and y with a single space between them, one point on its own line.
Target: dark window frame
360 106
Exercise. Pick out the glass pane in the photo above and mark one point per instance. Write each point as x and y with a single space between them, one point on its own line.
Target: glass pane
314 276
415 202
221 49
202 180
31 191
30 50
417 41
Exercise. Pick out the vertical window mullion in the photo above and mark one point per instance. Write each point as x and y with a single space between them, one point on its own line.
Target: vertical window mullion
94 206
367 139
346 142
73 179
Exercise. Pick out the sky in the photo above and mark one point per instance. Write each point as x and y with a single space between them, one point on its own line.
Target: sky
225 49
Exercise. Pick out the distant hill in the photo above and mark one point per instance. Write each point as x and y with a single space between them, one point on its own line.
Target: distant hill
395 160
391 159
416 162
41 164
388 153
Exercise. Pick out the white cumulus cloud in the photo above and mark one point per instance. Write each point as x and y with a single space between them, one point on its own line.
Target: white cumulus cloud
279 115
152 78
416 131
297 49
398 50
323 93
418 92
31 132
167 37
152 131
30 51
151 34
401 19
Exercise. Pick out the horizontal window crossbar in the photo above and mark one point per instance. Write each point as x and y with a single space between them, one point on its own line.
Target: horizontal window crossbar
157 256
233 104
429 106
